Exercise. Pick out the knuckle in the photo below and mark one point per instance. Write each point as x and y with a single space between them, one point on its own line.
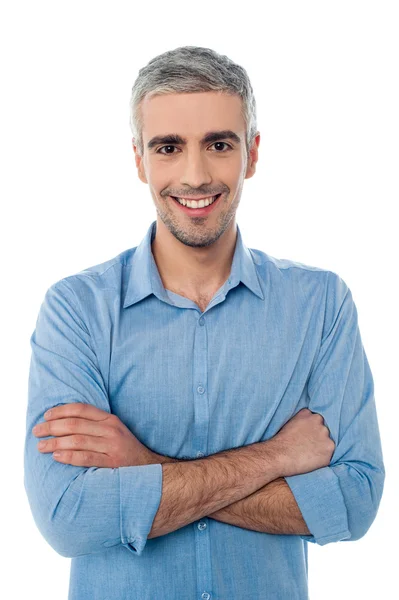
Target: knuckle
116 424
71 424
111 431
77 441
79 408
85 457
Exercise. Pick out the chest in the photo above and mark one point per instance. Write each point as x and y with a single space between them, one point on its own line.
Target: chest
201 299
185 382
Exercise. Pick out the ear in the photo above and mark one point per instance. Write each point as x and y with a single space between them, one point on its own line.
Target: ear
253 157
139 163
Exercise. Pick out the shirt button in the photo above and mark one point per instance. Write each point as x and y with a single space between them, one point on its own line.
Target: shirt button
205 596
201 526
202 321
200 453
200 389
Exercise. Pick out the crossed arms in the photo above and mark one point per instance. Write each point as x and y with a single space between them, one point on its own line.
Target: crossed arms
228 485
83 510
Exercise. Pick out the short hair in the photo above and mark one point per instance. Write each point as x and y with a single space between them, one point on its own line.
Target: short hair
190 69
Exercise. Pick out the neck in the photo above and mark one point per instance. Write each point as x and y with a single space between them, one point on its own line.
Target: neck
194 270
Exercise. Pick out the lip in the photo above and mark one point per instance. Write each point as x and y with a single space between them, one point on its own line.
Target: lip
197 212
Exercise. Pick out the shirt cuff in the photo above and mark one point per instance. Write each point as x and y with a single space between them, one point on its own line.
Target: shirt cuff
321 502
140 497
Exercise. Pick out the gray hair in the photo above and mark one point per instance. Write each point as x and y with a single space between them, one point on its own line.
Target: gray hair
190 69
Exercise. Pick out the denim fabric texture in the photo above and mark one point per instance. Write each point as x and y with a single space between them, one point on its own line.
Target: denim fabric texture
278 336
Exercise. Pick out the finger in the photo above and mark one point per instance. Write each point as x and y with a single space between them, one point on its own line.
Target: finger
75 442
76 409
71 425
83 459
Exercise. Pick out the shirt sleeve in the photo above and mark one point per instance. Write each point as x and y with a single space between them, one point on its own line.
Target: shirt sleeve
79 510
340 501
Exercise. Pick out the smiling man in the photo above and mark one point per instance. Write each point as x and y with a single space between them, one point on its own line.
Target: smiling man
196 182
206 409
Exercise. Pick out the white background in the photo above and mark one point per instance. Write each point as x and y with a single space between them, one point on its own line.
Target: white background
325 76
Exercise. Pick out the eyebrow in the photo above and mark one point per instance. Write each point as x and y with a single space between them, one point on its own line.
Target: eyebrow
211 136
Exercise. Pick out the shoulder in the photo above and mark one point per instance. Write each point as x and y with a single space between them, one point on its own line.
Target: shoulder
260 258
286 275
103 280
288 269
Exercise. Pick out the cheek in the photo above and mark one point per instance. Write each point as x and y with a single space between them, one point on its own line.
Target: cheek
230 172
160 178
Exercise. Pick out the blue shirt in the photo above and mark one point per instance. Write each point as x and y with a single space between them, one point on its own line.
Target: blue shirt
278 336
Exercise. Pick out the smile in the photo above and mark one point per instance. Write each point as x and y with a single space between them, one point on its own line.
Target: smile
197 208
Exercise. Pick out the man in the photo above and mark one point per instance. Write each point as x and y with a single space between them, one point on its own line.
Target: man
213 405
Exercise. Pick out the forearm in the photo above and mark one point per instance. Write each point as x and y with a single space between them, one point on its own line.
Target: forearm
194 489
271 509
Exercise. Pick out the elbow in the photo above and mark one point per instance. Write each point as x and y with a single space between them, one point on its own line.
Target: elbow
64 540
60 534
48 490
364 501
63 543
81 511
69 505
56 509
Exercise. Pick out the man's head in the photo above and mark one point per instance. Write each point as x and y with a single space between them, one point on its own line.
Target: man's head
179 100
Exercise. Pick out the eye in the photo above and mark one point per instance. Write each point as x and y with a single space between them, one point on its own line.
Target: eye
170 146
228 145
159 150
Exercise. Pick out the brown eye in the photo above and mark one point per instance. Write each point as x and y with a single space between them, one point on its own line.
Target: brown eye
159 150
222 143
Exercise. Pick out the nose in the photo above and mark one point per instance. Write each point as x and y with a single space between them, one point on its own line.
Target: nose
195 170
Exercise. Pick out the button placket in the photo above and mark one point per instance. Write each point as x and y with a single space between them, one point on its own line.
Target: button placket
200 440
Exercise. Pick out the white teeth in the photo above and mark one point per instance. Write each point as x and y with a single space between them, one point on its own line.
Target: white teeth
197 203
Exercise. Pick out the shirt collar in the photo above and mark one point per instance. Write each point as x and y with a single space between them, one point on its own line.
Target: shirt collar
144 278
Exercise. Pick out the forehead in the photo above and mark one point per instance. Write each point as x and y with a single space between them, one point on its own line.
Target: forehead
183 113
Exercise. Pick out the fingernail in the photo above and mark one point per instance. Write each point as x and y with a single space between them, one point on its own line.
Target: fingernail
47 414
41 444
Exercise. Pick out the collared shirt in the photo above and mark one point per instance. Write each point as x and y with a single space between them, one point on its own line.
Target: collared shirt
277 336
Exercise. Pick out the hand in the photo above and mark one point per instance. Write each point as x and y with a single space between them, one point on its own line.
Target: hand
87 436
303 443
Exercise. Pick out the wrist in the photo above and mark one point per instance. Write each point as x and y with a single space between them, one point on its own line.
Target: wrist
160 458
276 457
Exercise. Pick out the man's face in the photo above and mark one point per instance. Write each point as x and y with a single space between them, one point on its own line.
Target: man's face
197 168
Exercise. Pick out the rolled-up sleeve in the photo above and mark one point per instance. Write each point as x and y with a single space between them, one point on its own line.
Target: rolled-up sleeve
79 510
340 501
